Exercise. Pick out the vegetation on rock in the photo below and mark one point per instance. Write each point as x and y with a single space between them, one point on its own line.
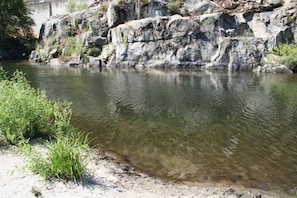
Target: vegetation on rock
175 6
73 47
285 54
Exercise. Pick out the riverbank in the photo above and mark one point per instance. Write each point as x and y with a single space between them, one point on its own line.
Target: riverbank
105 177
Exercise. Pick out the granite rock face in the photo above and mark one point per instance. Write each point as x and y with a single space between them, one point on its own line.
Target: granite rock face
234 41
233 35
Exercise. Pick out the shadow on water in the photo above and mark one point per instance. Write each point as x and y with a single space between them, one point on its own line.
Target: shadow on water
184 125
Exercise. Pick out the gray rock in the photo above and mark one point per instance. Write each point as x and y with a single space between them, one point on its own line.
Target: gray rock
113 18
282 69
97 41
212 40
230 4
121 11
216 40
268 68
141 34
197 7
275 3
54 53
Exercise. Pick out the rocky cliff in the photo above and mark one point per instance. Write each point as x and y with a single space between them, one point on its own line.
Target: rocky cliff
232 34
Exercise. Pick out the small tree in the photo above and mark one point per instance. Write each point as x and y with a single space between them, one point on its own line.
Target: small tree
15 19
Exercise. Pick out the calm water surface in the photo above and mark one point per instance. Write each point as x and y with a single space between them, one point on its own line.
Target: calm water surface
186 125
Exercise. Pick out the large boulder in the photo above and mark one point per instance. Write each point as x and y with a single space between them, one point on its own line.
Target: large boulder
268 68
212 34
120 12
217 40
198 7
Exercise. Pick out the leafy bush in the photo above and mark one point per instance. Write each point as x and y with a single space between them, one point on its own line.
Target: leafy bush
94 51
73 47
175 6
286 54
3 74
25 113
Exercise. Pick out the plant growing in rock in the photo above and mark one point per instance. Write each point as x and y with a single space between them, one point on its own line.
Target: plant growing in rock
175 6
93 51
73 47
286 54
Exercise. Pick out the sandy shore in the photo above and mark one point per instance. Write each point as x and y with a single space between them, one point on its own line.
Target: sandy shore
106 178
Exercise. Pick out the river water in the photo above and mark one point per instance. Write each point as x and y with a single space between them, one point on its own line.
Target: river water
186 125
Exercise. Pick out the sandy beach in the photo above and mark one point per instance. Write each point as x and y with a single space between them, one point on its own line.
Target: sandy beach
105 177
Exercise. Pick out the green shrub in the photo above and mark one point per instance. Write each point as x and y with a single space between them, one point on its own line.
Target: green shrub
175 6
94 51
3 74
286 54
73 47
65 159
26 112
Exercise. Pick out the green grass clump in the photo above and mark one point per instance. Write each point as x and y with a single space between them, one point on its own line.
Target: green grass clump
25 114
286 54
66 159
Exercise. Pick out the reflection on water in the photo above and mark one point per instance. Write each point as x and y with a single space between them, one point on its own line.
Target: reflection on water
187 125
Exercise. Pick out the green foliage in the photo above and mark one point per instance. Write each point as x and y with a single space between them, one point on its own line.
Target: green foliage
64 160
286 54
15 19
15 29
26 112
94 51
73 6
3 74
73 47
175 6
103 8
